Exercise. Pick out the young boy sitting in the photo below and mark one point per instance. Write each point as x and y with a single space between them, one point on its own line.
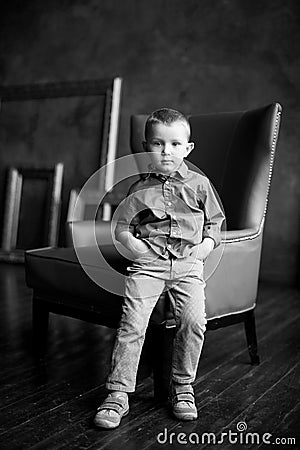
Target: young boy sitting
170 221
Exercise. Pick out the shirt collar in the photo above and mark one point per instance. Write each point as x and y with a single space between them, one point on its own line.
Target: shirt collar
181 171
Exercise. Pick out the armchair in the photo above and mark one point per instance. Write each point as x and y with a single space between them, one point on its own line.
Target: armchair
236 151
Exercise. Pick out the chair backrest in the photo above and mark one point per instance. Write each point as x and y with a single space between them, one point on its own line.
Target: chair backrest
236 151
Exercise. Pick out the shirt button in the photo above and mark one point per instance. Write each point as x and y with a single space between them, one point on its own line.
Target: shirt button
169 246
167 182
169 203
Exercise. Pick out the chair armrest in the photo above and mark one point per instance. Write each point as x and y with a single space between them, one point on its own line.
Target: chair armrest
84 231
240 235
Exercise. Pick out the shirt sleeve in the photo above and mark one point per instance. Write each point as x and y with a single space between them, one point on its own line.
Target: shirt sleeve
126 215
213 214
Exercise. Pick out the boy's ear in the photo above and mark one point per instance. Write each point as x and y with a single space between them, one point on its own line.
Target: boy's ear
190 146
144 143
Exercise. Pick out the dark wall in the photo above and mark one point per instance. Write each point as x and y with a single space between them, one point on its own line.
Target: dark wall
194 55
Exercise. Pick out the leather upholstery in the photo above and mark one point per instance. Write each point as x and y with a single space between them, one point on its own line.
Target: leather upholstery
59 270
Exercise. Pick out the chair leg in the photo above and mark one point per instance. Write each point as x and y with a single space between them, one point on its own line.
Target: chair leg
251 337
40 320
162 362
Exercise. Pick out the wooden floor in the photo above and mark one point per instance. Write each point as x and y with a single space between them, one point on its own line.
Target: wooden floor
52 406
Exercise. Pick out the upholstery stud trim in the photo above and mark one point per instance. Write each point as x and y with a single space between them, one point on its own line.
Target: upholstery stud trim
271 164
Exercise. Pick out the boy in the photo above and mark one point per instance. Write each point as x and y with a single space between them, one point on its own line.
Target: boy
170 221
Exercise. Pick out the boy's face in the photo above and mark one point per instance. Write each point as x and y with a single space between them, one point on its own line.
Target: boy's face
168 145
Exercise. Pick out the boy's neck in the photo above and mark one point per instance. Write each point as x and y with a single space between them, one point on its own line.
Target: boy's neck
166 174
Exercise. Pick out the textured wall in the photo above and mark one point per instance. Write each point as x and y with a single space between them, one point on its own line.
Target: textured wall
194 55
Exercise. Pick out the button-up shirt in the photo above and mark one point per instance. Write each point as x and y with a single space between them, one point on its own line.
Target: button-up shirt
171 213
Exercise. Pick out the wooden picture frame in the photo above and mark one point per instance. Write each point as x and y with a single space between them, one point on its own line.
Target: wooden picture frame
88 207
75 122
29 205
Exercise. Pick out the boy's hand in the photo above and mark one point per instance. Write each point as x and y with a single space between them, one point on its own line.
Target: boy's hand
201 251
136 246
139 247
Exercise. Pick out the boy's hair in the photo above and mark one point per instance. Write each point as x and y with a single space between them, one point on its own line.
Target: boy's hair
166 116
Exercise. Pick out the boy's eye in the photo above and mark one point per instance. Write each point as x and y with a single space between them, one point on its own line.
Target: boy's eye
176 144
156 143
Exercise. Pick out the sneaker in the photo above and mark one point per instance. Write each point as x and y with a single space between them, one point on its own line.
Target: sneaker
183 402
110 413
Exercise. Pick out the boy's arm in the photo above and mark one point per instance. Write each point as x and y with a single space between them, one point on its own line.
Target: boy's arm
126 217
213 216
213 219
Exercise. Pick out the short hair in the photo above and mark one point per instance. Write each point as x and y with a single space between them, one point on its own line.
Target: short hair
166 116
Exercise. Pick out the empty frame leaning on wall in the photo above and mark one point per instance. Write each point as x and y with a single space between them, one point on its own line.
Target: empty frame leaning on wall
31 211
74 122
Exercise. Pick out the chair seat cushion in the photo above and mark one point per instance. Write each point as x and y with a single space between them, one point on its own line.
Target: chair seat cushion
57 273
57 276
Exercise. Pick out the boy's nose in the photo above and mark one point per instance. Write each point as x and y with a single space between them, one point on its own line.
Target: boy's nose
166 149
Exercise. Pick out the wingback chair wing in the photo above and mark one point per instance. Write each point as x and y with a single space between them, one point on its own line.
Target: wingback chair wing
236 151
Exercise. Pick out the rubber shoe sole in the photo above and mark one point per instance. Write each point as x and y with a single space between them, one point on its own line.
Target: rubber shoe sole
185 415
109 424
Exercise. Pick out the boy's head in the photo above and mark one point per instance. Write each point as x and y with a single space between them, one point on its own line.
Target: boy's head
166 116
167 134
